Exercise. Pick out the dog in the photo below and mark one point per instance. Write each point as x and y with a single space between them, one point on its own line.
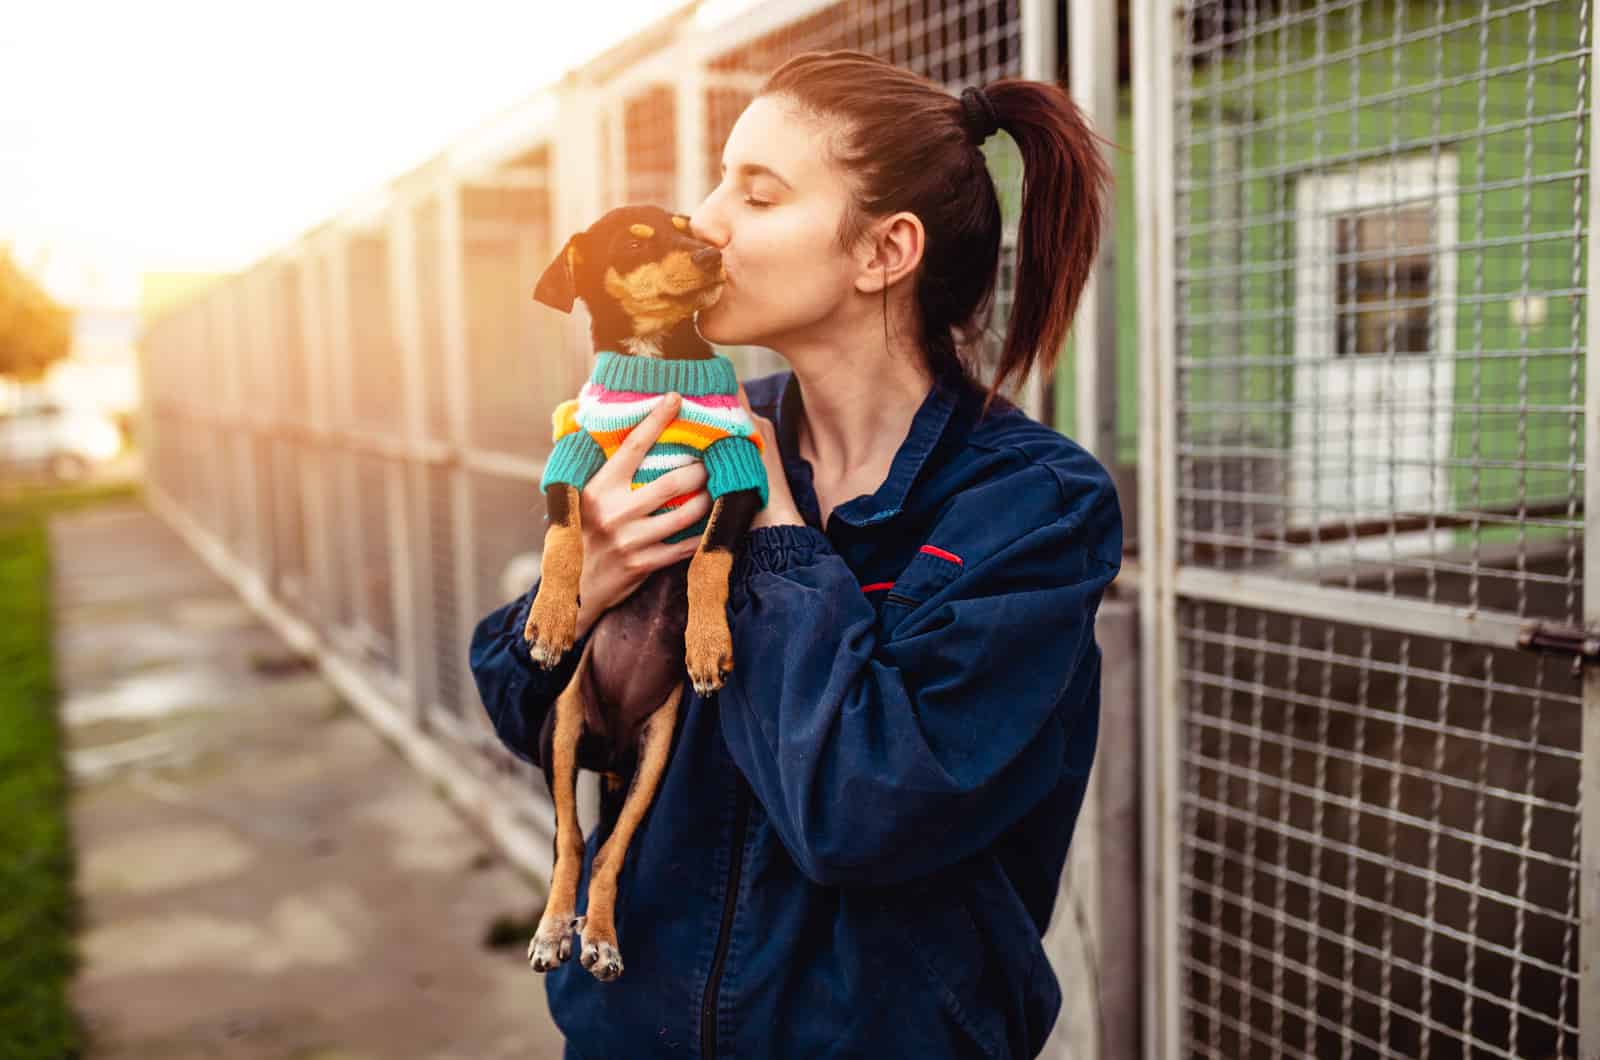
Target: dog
642 277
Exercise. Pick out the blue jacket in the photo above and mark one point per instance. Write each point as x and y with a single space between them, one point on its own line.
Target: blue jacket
857 843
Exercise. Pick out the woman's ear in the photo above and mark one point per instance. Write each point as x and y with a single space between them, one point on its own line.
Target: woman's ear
891 252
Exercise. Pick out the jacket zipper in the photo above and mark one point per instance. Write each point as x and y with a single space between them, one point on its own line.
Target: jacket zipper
708 1010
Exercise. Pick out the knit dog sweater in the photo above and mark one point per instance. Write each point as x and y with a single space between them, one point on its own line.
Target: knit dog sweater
711 426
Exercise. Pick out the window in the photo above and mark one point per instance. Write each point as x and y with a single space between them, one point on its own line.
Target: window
1384 280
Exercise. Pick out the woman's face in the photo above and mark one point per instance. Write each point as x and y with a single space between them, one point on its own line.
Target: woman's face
775 217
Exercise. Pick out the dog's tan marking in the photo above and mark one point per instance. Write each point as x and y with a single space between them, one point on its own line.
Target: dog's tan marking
654 742
680 222
707 644
658 294
642 231
553 619
544 952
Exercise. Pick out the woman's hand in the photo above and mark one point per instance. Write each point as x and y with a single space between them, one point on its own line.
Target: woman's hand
781 509
623 544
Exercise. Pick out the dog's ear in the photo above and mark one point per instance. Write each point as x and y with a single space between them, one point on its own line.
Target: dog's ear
559 284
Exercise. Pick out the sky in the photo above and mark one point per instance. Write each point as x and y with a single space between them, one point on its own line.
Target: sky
175 135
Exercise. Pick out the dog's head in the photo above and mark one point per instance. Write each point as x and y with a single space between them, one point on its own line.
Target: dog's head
638 270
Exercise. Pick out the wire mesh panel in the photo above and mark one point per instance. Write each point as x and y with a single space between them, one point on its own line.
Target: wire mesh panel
428 251
1381 232
650 148
451 684
375 399
508 518
1380 265
372 565
508 522
1381 842
287 368
517 360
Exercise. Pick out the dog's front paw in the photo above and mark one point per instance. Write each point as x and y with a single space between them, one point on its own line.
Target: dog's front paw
552 626
708 653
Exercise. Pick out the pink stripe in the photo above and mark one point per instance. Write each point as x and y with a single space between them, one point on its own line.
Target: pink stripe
716 401
942 554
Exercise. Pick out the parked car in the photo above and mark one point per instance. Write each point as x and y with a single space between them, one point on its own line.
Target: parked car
64 443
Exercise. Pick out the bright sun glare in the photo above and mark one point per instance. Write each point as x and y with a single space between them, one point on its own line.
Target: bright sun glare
179 135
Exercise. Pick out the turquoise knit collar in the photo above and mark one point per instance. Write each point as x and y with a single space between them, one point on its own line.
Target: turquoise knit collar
652 375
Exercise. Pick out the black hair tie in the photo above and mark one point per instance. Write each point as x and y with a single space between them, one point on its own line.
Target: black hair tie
978 116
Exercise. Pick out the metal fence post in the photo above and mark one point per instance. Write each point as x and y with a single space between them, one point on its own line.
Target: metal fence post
1040 62
1589 804
1092 38
1153 101
409 556
321 469
454 326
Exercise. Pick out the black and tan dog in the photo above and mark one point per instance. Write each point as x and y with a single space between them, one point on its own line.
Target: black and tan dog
642 277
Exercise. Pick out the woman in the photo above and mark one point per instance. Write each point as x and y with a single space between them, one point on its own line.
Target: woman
857 843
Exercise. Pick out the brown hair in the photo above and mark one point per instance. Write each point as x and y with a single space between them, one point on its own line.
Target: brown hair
906 147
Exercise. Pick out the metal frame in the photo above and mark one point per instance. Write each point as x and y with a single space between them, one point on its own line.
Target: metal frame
1589 888
1152 119
1167 579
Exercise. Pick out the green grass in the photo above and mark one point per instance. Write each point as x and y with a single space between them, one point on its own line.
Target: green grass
38 912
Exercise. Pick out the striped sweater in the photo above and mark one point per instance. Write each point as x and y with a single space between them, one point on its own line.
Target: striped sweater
711 426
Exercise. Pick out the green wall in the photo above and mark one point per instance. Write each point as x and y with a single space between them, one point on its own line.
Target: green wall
1281 112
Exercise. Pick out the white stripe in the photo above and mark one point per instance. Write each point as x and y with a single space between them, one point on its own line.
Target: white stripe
666 462
613 413
734 420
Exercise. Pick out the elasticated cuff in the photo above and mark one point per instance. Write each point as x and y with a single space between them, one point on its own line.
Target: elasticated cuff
776 549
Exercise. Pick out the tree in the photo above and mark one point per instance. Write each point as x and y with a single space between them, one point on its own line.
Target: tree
34 329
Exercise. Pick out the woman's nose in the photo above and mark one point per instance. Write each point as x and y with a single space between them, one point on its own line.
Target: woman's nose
704 226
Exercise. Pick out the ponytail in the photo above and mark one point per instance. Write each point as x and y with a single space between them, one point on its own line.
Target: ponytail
909 145
1065 181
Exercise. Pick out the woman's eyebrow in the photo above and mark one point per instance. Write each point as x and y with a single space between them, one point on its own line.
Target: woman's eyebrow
752 169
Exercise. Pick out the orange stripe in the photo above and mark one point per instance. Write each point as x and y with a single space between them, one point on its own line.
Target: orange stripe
679 432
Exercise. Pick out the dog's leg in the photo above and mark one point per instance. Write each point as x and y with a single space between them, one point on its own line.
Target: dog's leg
553 618
552 940
708 646
600 952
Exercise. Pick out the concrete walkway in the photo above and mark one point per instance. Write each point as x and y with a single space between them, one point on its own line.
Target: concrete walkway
261 875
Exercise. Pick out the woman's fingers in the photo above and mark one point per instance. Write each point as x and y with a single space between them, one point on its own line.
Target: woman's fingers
624 463
675 483
650 529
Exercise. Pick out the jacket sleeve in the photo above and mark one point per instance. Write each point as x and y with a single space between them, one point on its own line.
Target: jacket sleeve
884 757
516 692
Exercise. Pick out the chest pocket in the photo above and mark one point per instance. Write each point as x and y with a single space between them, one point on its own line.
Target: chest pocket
929 571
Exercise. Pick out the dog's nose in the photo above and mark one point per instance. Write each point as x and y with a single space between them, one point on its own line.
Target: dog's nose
707 258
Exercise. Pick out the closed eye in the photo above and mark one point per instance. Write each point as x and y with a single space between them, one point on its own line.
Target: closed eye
757 203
